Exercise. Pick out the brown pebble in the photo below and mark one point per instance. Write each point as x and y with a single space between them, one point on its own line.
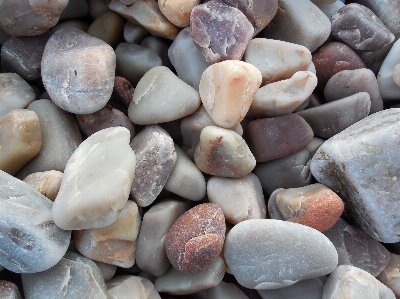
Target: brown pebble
123 91
196 238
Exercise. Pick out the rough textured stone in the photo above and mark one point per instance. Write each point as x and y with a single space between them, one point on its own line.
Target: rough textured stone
306 289
387 86
390 275
108 27
47 183
8 290
129 286
178 11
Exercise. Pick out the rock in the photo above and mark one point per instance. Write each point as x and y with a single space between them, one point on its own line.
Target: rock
73 277
277 60
157 221
83 205
227 89
108 27
175 282
329 9
16 93
305 289
282 97
356 248
122 92
223 152
390 275
223 290
9 290
30 241
27 18
347 280
160 46
282 253
96 8
133 33
387 86
358 164
309 26
129 286
107 270
75 9
155 159
240 199
71 84
396 74
177 12
329 119
219 31
47 182
20 139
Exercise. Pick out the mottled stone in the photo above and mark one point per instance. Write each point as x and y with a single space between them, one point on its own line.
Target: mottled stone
30 241
223 152
80 205
47 182
358 163
134 33
178 11
306 289
9 290
109 27
129 286
282 253
219 31
390 276
227 89
78 71
223 290
155 159
387 86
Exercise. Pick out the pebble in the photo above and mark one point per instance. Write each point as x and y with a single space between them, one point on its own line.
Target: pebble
223 290
160 46
178 12
196 238
20 139
223 152
161 96
282 253
390 275
227 89
329 119
240 199
305 289
151 255
347 281
282 97
329 9
114 244
134 33
396 74
73 277
122 92
129 286
75 9
80 205
277 60
109 27
278 137
358 164
9 290
219 31
387 86
78 71
30 241
15 93
107 271
155 159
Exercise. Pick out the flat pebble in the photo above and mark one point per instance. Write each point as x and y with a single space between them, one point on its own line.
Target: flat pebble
305 289
390 275
9 290
387 86
178 11
47 182
108 27
129 286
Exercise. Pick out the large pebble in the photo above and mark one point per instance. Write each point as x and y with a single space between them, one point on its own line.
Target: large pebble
9 290
358 164
390 275
282 253
178 11
78 71
305 289
47 183
387 86
129 286
96 181
227 89
29 240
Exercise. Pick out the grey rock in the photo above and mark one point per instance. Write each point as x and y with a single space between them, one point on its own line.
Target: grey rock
160 46
75 9
329 9
107 270
134 33
9 290
306 289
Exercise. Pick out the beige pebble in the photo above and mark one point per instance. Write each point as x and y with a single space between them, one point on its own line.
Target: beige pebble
47 182
108 27
227 89
396 74
129 286
177 11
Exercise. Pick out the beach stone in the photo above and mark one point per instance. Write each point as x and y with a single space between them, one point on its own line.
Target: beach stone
191 127
134 33
107 270
282 97
77 24
129 286
30 241
329 9
71 84
278 137
329 119
133 61
114 244
349 82
47 182
109 27
277 60
299 22
219 31
20 139
155 159
161 96
332 58
240 199
390 275
223 152
73 277
305 289
352 164
16 93
151 255
160 46
351 281
178 12
9 290
282 253
23 55
186 180
30 18
356 248
396 74
223 290
387 86
227 89
122 92
147 14
80 205
176 282
75 9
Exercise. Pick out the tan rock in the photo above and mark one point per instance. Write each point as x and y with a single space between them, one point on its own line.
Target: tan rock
108 27
177 11
47 182
227 89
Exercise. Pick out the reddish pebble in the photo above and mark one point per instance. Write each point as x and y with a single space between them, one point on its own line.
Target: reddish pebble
122 92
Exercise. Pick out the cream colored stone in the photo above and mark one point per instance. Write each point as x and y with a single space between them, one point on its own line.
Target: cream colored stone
129 286
177 11
227 89
396 74
47 182
20 139
96 181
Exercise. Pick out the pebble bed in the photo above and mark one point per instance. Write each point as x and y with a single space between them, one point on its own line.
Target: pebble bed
215 149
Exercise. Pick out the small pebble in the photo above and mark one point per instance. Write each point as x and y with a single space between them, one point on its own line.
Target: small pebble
9 290
387 86
396 74
390 276
47 182
122 92
160 46
107 270
178 11
134 33
129 286
108 27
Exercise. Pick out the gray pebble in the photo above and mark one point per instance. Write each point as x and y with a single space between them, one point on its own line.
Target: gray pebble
306 289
